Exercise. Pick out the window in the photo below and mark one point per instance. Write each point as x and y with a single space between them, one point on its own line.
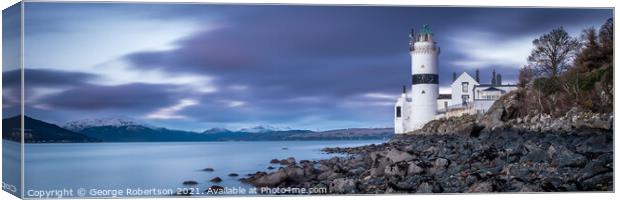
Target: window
398 111
423 92
465 99
422 66
465 85
445 105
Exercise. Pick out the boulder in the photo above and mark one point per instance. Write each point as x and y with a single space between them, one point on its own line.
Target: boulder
503 110
233 174
396 155
216 180
600 143
274 161
534 154
481 187
414 169
190 182
208 169
269 180
294 173
593 168
329 175
343 186
288 161
424 188
459 125
567 158
600 182
394 170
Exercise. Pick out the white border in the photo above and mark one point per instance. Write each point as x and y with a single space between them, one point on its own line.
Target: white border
466 3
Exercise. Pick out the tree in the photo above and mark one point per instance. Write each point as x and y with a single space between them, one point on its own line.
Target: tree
590 57
552 51
525 76
606 39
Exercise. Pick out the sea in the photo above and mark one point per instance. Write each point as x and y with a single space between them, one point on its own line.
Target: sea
143 169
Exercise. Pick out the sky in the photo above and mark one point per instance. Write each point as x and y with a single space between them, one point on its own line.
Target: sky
200 66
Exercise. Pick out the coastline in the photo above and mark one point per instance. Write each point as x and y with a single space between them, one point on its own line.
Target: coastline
495 152
500 161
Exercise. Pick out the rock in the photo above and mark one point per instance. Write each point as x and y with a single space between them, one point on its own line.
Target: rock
593 168
481 187
397 156
294 173
329 175
414 169
208 169
288 161
357 171
508 159
503 110
190 183
535 154
459 125
274 161
424 188
233 174
567 158
270 167
269 180
441 162
343 186
216 179
394 170
600 182
596 144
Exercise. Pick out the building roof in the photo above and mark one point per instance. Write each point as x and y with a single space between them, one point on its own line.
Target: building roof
491 85
444 96
492 89
467 77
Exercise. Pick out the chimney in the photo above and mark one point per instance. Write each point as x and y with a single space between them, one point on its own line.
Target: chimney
453 76
404 89
493 78
499 79
478 75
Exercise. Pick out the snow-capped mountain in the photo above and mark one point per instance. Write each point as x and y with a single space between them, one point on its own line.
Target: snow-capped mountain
80 125
263 129
216 130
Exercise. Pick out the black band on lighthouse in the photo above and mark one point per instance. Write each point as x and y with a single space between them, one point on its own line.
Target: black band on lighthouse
424 79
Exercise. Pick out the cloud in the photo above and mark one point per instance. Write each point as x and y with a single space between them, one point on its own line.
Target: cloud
128 97
45 77
381 96
171 112
485 50
235 65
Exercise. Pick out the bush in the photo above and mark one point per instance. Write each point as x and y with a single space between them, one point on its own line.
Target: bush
546 85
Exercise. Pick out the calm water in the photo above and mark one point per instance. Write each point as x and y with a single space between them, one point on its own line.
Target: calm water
110 166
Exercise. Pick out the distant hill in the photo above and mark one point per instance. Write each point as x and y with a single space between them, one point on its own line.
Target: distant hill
127 130
37 131
346 134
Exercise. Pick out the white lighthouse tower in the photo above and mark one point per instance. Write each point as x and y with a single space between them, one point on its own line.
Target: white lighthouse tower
420 106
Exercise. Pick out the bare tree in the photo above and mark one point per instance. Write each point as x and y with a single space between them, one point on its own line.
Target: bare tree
552 51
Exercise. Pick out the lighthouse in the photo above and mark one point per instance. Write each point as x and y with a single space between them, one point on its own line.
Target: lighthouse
415 109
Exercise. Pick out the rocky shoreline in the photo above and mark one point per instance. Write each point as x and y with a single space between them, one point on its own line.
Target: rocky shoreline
495 161
494 152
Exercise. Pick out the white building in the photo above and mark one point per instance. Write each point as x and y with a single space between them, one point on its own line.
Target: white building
415 109
424 103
